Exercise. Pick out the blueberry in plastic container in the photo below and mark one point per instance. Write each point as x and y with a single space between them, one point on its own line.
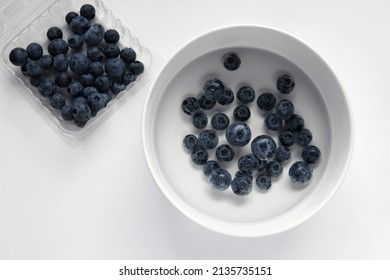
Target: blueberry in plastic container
242 185
75 89
213 89
227 97
238 134
266 101
209 167
311 154
116 88
284 109
286 138
69 16
60 62
75 41
190 142
199 156
115 68
300 173
62 79
273 122
282 154
88 11
262 165
35 81
294 123
285 84
248 164
79 25
231 61
242 113
79 123
18 56
87 93
66 112
81 111
136 67
54 33
190 105
208 139
220 121
128 55
57 100
199 120
263 182
111 36
128 78
224 153
96 102
87 80
206 103
274 168
34 68
303 137
23 68
34 50
246 94
103 83
79 63
263 147
220 179
57 46
96 68
46 61
95 54
47 87
111 50
94 34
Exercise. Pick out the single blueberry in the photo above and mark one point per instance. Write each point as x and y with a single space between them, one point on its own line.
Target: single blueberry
106 97
190 105
231 61
240 173
238 134
66 112
285 84
282 154
199 156
103 83
54 33
88 11
87 80
95 54
23 68
75 41
128 78
266 101
79 123
128 55
311 154
190 142
34 68
242 185
263 147
80 99
94 34
224 153
57 46
87 93
242 113
137 67
220 121
294 123
220 179
303 137
206 103
111 50
46 61
246 95
300 173
116 88
96 102
62 79
286 138
111 36
115 68
284 109
18 56
36 80
199 120
262 164
273 122
60 62
274 168
209 167
208 139
57 100
213 89
75 89
227 97
248 164
96 68
69 16
34 51
263 182
81 111
79 63
79 25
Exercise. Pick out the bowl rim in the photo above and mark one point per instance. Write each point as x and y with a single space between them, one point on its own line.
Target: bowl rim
240 233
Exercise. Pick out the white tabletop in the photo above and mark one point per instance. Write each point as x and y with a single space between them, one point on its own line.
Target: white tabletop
99 200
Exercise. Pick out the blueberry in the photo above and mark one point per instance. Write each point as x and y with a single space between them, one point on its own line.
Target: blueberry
263 147
128 78
240 173
57 46
209 167
81 111
274 168
75 89
248 164
273 122
261 164
24 69
284 109
220 121
106 97
34 68
75 41
208 139
79 25
69 16
46 61
94 34
285 84
137 67
242 113
224 153
54 33
227 97
246 95
95 54
18 56
111 36
62 79
266 101
311 154
263 182
199 120
80 99
79 123
238 134
115 68
103 83
35 81
60 62
87 80
206 103
96 68
34 51
300 173
57 100
116 88
128 55
294 123
231 61
88 11
242 185
79 63
190 142
199 156
190 105
286 138
303 137
220 179
213 89
282 154
111 50
66 112
96 102
87 93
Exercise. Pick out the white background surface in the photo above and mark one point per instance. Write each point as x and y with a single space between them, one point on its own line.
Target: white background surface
99 201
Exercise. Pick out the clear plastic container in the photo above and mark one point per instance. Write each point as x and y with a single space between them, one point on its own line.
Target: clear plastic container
24 21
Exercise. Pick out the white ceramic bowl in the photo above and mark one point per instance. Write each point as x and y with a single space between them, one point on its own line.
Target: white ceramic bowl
265 54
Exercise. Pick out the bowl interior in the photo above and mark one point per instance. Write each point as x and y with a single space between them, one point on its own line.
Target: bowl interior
265 54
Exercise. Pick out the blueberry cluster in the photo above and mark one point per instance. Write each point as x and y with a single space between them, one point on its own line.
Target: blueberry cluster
267 157
89 64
